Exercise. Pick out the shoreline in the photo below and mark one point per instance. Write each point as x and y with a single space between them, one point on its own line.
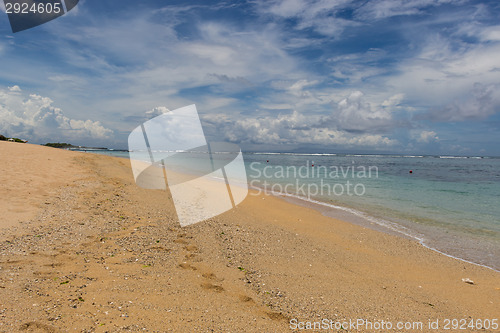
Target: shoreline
364 220
361 218
460 245
106 255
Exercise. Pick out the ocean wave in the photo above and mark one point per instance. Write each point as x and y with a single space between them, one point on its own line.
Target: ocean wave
296 154
392 226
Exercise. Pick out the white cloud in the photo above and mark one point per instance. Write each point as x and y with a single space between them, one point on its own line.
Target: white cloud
483 33
161 64
276 106
353 113
156 111
445 70
297 88
317 14
482 102
491 34
393 100
424 136
33 117
286 8
294 128
387 8
209 103
304 95
323 15
357 68
115 67
217 54
88 128
14 88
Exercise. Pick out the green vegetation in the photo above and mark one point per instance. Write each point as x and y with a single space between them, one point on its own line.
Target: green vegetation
4 138
65 145
60 145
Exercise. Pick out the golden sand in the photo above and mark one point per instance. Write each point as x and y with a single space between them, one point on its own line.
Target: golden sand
83 248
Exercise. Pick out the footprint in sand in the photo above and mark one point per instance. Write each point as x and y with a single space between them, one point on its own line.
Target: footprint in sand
246 299
210 276
210 286
191 248
277 316
54 264
34 326
185 265
213 287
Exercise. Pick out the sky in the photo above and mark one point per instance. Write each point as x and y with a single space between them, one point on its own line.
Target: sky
386 76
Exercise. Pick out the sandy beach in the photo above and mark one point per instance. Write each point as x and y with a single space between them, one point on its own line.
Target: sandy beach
82 248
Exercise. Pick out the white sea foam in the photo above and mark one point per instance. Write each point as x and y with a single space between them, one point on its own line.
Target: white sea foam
383 223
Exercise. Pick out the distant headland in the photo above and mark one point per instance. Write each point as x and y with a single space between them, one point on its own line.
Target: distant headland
4 138
64 145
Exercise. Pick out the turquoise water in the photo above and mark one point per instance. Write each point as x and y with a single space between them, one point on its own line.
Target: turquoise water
450 204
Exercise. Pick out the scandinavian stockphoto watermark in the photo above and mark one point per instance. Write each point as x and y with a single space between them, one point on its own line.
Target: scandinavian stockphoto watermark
366 325
310 180
171 152
27 14
205 179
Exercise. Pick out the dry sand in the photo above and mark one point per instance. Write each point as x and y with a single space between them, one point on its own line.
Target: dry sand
83 248
30 175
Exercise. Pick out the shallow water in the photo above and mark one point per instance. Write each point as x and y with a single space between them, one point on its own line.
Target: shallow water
451 204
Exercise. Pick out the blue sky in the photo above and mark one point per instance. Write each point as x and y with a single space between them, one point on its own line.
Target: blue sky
415 77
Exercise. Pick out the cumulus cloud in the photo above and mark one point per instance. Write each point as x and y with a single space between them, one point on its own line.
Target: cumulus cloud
291 128
354 122
15 88
136 120
355 114
33 117
424 136
226 63
156 111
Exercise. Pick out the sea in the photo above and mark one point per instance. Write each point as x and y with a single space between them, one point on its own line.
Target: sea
450 204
